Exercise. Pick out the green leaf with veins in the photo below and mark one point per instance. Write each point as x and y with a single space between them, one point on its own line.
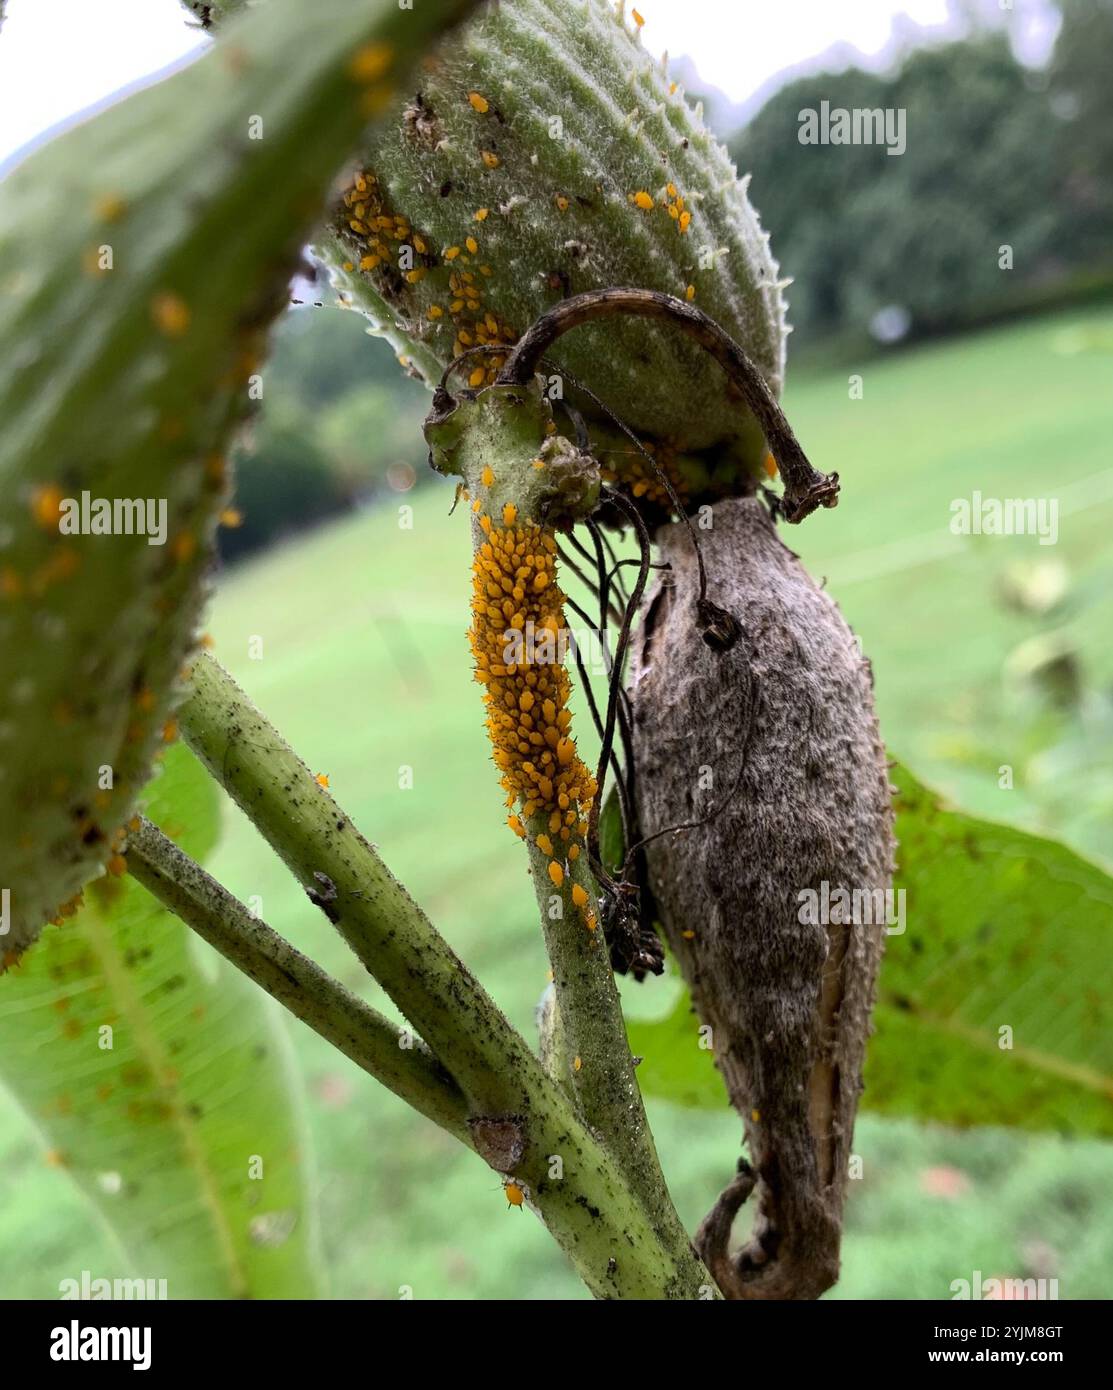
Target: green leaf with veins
160 1081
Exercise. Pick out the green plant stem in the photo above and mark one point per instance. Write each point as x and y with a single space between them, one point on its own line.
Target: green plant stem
498 436
343 874
393 1057
521 1122
589 1052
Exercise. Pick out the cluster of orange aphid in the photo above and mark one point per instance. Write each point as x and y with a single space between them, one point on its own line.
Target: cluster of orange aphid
378 231
62 560
381 236
518 612
672 202
638 476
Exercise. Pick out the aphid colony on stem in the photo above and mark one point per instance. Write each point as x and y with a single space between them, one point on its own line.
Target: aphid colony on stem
514 589
386 245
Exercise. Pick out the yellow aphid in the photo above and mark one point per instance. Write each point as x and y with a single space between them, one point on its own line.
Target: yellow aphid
579 894
487 477
770 465
638 20
479 103
516 825
231 517
577 1064
527 702
477 377
321 779
491 159
556 873
515 1194
472 244
545 845
643 200
171 314
183 546
685 218
670 189
562 202
117 866
349 265
46 505
370 61
481 214
690 293
452 253
109 207
755 1115
435 311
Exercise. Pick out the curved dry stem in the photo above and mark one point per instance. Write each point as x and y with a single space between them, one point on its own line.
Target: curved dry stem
805 487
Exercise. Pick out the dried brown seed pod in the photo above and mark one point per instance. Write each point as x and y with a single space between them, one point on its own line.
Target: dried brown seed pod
782 724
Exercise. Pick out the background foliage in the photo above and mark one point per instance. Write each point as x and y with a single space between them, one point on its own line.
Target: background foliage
364 666
997 153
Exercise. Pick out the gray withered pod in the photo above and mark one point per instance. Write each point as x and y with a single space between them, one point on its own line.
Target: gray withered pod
782 725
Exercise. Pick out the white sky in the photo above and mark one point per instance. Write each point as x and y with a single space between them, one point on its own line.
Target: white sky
59 56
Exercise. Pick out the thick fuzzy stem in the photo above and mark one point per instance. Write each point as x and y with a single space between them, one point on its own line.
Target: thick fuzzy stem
521 477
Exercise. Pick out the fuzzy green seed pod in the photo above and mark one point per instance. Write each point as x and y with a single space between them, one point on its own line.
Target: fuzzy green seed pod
541 154
773 745
143 255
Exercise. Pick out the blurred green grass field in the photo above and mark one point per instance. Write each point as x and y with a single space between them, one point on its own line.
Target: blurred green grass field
365 669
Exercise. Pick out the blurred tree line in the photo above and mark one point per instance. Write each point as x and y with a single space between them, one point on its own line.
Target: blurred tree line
997 155
340 427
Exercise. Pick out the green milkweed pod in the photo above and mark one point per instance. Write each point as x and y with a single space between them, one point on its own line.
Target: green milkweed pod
541 154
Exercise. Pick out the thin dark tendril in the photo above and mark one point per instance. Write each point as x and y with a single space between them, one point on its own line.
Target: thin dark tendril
601 571
613 574
616 679
588 583
625 712
594 707
583 440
